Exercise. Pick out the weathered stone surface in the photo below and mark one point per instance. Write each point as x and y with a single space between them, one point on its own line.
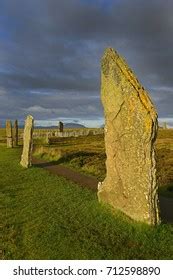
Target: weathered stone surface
27 142
130 131
9 134
15 133
61 126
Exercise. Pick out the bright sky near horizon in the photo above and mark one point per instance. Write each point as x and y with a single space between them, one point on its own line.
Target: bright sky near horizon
50 54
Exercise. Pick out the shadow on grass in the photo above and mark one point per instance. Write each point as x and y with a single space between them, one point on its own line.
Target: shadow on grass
67 158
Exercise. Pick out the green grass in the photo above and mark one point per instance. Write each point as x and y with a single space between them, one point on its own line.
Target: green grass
87 155
46 217
91 163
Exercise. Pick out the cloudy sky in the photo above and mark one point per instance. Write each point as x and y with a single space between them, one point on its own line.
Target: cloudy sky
50 54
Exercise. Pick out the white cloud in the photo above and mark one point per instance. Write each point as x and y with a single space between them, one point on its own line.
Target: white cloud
39 109
169 121
93 123
162 88
40 92
91 109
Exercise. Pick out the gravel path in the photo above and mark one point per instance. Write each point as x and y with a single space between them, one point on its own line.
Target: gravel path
166 204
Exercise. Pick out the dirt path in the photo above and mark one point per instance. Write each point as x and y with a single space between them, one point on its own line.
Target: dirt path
78 178
166 204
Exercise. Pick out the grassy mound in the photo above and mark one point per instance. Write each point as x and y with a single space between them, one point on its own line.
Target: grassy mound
47 217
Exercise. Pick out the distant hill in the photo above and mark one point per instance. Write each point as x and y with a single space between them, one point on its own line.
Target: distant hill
66 125
73 125
46 127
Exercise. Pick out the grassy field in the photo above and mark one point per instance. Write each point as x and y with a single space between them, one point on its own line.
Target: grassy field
87 155
84 154
46 217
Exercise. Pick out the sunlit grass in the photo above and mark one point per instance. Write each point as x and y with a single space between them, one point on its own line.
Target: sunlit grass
87 155
46 217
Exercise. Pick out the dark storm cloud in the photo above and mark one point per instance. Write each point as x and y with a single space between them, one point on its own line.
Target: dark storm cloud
55 47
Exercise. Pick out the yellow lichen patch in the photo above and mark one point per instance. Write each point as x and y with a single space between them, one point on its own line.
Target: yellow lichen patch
147 103
148 123
128 73
129 121
132 104
114 58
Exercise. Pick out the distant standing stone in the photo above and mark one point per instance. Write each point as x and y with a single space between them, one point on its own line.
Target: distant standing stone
27 142
9 134
165 125
61 126
48 135
15 133
130 132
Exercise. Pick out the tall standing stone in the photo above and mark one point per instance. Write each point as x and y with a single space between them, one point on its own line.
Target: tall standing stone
27 142
15 133
61 126
130 131
9 134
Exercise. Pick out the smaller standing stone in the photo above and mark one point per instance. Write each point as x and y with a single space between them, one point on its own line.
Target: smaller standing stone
27 142
15 133
165 125
48 138
9 134
61 126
